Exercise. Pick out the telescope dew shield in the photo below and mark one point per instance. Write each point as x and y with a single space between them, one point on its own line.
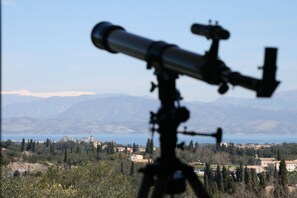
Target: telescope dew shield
115 39
100 33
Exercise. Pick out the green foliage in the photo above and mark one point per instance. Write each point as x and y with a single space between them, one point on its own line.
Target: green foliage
88 180
84 162
292 178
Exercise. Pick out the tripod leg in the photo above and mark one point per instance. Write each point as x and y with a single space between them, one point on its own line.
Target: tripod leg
195 183
160 187
145 186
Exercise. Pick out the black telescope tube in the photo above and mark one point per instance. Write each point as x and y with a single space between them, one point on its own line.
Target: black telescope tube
172 58
115 39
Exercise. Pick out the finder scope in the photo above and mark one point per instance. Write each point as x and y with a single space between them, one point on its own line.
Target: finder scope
210 31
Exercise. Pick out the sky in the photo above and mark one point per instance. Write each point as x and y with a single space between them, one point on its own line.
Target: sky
46 45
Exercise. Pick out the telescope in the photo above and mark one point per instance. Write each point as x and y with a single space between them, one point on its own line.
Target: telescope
170 61
208 67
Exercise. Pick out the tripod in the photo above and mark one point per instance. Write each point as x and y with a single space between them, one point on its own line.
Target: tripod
168 173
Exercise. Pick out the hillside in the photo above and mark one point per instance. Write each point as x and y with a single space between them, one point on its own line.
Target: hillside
118 113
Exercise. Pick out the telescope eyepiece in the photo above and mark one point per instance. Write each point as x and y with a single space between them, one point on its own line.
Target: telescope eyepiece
100 34
214 32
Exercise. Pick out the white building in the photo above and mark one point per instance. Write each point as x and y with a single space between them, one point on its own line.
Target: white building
272 163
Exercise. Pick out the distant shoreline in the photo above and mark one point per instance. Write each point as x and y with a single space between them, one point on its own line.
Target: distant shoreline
141 139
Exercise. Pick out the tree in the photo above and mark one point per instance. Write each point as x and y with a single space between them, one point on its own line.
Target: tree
231 149
135 147
269 173
282 174
98 151
23 146
278 156
47 143
262 180
52 148
122 167
225 178
65 155
69 163
254 180
239 173
196 147
208 172
281 185
152 147
214 188
230 184
148 146
206 184
30 145
219 182
99 148
34 146
247 178
132 169
77 150
208 178
191 146
71 147
91 146
110 148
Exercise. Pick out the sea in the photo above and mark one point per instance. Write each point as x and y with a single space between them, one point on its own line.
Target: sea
141 139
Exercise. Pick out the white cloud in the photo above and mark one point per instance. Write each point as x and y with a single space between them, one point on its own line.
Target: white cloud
25 92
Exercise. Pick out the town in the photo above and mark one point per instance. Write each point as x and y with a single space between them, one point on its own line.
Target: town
227 169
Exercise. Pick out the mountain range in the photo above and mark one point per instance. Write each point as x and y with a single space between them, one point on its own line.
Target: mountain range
120 113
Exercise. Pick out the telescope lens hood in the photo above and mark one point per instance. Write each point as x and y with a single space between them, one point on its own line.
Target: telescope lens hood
100 35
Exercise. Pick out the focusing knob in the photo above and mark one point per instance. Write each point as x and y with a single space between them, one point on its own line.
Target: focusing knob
182 114
223 88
